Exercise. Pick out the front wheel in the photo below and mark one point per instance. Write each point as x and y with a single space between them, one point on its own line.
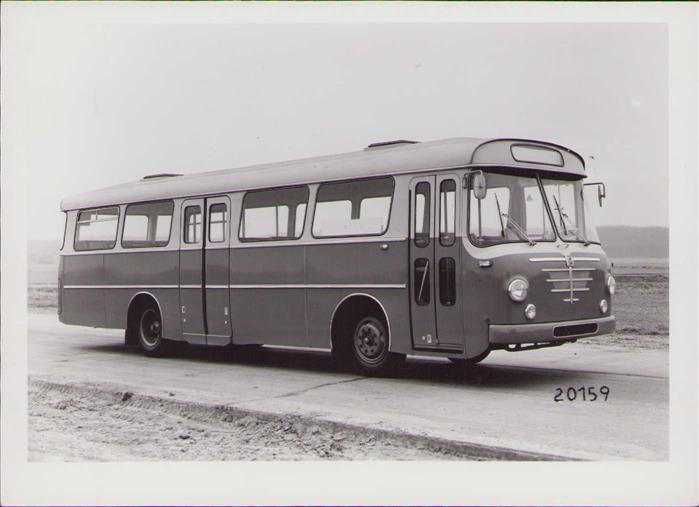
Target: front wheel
370 348
150 329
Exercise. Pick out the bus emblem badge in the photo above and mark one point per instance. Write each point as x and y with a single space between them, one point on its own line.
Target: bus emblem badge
569 261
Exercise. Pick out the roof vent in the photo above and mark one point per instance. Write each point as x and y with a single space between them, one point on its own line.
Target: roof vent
159 175
389 144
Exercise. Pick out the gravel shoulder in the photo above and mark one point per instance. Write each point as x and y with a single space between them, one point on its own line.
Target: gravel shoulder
94 423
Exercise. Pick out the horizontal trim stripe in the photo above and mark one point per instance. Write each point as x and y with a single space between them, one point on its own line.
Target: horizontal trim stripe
565 270
121 286
250 286
265 244
320 286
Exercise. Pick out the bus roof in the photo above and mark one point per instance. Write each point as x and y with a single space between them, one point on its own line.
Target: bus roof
379 159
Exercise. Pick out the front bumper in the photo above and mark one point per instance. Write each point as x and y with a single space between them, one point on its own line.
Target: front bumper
504 334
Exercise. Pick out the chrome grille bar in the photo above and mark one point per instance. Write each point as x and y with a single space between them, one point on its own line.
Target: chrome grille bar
567 285
563 259
565 270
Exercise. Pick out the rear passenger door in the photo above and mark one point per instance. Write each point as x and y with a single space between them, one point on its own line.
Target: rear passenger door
191 271
216 281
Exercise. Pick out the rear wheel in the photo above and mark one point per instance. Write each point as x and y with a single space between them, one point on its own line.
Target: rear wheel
370 348
150 332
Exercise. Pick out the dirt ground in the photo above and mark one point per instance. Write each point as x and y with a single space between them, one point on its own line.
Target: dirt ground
89 423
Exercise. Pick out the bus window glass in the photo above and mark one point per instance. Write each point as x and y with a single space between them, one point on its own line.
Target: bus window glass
96 229
447 212
513 211
486 224
300 219
564 207
283 222
568 207
135 228
259 223
593 213
192 224
332 218
65 228
375 210
217 222
422 209
357 208
273 214
162 227
538 225
147 225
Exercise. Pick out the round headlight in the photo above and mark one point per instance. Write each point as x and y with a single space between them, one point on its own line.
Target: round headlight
603 306
611 284
530 312
517 289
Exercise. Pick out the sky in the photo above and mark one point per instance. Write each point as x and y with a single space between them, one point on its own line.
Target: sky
88 105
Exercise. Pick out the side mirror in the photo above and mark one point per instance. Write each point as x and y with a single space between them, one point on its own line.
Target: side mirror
478 185
601 191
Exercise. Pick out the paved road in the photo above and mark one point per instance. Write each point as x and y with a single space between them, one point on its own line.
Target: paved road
508 402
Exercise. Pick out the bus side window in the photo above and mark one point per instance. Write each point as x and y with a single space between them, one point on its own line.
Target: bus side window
422 214
218 218
96 229
147 225
273 214
447 212
354 208
192 224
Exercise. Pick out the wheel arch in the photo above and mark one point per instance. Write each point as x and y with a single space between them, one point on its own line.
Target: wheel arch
349 303
137 301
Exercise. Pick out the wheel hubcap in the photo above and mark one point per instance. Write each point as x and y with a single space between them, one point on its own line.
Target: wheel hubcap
150 328
370 340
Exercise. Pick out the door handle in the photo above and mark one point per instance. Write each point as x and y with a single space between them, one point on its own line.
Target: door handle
384 247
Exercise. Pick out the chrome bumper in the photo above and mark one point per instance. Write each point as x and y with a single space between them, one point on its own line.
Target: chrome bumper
550 331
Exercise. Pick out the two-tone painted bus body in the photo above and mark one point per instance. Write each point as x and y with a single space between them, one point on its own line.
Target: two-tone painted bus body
450 248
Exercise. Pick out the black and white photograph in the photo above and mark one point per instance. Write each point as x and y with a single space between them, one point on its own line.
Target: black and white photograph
348 253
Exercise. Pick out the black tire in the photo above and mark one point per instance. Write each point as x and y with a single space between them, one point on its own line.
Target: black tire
149 331
369 348
131 336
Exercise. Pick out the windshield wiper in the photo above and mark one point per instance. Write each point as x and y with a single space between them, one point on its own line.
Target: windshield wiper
564 218
518 229
502 226
561 215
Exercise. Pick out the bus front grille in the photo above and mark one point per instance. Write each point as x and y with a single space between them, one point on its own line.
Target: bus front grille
571 279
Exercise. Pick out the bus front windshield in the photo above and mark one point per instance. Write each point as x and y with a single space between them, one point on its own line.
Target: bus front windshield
514 210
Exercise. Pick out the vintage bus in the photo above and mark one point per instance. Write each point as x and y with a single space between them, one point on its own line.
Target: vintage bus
449 248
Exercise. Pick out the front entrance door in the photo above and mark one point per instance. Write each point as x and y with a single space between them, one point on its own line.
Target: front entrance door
435 294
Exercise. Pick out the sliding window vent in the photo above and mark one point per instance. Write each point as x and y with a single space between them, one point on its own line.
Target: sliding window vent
390 144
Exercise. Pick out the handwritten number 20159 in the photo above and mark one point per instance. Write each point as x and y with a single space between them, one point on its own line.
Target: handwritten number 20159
580 394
